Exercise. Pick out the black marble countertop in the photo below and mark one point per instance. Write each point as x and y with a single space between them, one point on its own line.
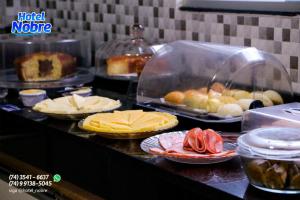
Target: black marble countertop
118 169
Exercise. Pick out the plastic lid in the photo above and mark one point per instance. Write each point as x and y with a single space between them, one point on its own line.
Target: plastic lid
274 143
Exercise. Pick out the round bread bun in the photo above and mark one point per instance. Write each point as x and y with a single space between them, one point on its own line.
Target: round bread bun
245 103
175 97
233 110
195 100
191 91
227 99
202 90
228 92
218 87
214 94
213 105
263 98
274 96
241 94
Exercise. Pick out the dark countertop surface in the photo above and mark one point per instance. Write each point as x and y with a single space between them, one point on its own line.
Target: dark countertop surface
118 169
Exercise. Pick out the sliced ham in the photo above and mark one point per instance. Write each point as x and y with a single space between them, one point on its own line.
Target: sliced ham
172 143
194 144
168 140
191 155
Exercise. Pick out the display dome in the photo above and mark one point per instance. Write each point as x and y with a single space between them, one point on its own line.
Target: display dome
124 57
213 81
47 60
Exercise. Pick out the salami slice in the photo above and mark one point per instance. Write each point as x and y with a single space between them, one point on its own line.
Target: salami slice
194 141
213 141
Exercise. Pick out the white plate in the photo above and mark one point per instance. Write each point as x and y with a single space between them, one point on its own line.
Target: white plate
153 142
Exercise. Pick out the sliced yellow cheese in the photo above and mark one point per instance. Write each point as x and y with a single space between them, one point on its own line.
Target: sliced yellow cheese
136 121
76 104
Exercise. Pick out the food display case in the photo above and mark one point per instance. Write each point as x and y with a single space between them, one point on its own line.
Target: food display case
123 58
212 82
44 61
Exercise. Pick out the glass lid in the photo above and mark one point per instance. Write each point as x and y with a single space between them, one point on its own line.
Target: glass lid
124 57
276 143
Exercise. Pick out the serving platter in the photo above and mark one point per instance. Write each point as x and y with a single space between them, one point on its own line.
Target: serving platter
9 79
75 116
153 142
138 135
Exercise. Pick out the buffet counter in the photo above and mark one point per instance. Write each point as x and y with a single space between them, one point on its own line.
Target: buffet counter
113 169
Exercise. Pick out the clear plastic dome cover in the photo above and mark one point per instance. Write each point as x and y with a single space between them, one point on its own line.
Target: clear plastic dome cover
31 61
213 70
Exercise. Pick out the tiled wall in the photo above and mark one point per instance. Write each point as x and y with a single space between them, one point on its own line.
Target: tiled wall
108 19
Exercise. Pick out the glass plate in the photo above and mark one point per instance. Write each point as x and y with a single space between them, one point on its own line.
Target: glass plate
101 72
9 79
153 142
123 135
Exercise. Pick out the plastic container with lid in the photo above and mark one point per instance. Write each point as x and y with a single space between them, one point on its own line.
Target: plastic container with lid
285 115
44 61
124 57
271 158
199 80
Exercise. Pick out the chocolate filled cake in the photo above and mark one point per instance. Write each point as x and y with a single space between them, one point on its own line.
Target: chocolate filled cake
45 66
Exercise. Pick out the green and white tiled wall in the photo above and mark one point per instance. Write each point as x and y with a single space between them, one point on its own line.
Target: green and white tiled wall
164 22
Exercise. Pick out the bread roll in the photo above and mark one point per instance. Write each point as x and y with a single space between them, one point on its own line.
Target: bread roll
196 100
233 110
245 103
227 99
202 90
274 96
175 97
191 91
263 98
218 87
241 94
227 92
213 105
214 94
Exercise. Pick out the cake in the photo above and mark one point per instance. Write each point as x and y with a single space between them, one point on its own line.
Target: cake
45 66
126 64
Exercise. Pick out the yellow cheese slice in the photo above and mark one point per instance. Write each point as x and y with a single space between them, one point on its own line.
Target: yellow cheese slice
136 121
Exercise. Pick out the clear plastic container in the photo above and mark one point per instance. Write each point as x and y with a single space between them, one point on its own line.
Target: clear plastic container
124 57
48 60
271 158
222 74
286 115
